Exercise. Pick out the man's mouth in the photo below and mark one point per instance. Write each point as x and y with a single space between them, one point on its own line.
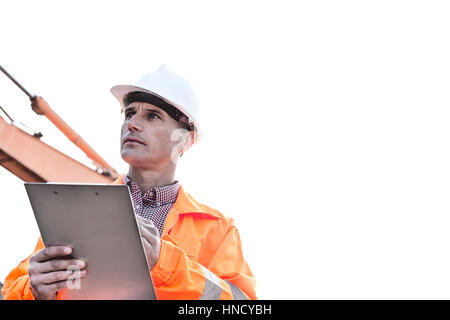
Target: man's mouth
133 140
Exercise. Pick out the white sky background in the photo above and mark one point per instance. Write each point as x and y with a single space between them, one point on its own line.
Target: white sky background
326 131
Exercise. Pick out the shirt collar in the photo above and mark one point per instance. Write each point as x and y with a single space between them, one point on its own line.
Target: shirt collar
184 203
157 196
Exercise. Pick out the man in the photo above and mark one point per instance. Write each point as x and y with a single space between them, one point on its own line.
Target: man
194 251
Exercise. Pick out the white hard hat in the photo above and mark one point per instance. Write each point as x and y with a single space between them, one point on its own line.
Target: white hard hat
169 86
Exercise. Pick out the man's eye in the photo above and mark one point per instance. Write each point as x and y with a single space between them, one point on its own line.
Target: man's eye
152 115
128 114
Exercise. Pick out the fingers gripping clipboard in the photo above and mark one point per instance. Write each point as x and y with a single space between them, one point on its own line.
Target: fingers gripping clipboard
99 224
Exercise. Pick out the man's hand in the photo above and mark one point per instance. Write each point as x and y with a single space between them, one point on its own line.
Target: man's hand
150 240
49 271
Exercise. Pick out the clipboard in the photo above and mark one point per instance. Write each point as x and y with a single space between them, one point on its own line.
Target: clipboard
99 223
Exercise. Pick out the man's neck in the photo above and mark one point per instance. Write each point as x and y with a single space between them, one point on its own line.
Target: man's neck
147 179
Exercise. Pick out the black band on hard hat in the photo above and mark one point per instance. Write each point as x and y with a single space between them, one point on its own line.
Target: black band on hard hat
139 96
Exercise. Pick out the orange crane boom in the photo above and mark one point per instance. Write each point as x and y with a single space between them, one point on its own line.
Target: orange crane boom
32 160
41 107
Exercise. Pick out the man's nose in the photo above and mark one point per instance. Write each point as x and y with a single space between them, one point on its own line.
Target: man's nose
133 124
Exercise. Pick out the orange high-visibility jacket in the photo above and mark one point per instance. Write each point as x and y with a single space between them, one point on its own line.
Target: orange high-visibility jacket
201 257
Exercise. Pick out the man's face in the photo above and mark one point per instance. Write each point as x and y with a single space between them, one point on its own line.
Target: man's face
146 136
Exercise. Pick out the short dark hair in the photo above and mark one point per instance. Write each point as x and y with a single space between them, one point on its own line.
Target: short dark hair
138 96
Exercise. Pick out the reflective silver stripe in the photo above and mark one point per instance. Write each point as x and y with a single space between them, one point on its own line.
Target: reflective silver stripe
236 292
213 289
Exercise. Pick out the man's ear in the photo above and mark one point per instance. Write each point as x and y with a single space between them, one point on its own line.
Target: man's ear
186 141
